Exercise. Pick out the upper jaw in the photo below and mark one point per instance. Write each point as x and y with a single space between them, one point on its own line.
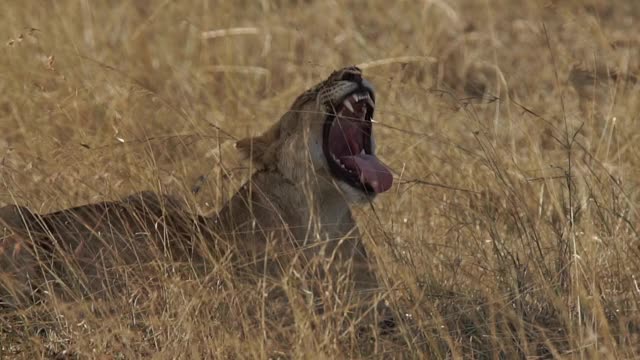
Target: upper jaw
347 89
350 100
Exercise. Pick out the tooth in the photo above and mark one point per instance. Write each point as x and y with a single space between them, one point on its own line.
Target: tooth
370 101
347 104
362 152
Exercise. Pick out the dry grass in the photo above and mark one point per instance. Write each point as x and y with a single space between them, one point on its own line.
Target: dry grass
512 129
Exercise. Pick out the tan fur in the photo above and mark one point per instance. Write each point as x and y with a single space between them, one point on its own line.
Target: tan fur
291 218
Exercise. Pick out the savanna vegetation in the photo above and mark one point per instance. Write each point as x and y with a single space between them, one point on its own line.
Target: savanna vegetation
512 129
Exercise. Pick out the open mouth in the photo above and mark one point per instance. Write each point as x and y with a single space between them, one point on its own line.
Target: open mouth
347 144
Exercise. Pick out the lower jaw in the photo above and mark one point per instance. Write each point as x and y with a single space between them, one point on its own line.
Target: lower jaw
349 184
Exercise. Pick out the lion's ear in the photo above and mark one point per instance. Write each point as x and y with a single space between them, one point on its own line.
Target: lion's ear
261 149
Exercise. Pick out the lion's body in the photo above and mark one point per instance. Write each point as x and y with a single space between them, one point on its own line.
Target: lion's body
276 217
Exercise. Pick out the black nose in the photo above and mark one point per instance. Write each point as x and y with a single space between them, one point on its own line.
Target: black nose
352 74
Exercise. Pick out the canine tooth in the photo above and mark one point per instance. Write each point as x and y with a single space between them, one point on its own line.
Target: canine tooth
370 101
362 152
347 104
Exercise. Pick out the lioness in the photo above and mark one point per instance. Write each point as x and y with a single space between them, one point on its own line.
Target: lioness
294 211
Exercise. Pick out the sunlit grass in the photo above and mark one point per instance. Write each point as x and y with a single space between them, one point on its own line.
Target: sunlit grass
512 129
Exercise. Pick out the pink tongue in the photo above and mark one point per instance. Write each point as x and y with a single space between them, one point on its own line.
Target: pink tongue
372 172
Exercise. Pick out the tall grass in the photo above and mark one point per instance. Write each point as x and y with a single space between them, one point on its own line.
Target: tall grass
511 232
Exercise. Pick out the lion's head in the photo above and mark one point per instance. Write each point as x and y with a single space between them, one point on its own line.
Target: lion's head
328 130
